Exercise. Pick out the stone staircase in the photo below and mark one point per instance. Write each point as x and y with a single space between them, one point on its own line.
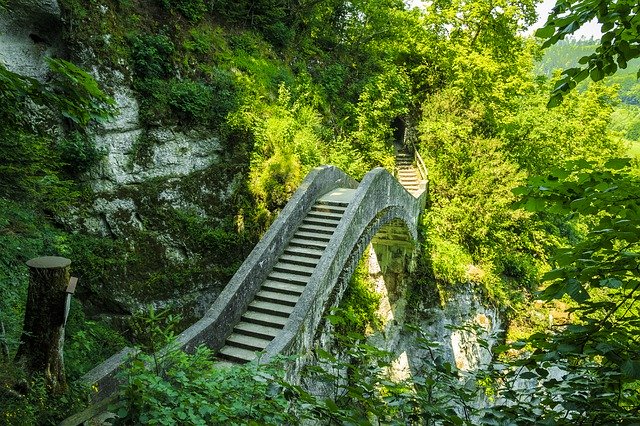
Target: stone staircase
407 173
267 314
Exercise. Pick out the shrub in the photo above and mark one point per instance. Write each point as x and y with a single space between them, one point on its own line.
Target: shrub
78 153
191 101
450 261
193 10
357 312
151 55
204 103
191 389
276 181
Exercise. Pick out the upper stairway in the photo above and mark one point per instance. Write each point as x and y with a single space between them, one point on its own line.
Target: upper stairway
411 172
407 173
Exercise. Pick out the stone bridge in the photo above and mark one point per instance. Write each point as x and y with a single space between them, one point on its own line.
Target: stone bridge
276 301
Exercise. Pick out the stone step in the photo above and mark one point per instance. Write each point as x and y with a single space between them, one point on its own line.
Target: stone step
291 268
261 318
224 365
304 252
321 229
276 297
247 342
308 244
286 277
331 203
285 288
321 222
256 330
339 196
327 208
296 258
312 236
326 215
271 308
237 355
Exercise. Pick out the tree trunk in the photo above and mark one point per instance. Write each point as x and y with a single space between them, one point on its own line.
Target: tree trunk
4 348
40 349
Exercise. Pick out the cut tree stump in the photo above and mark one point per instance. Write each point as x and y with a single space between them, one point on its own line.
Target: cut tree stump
41 343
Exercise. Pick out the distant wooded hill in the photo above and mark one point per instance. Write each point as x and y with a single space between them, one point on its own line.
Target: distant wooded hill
626 118
565 54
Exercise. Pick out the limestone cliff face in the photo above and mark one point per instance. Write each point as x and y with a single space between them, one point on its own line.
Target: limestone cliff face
463 328
30 31
161 195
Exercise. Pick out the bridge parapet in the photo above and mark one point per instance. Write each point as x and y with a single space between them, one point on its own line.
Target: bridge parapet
218 322
379 200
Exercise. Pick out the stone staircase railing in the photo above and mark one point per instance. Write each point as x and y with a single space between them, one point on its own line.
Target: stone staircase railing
379 199
217 323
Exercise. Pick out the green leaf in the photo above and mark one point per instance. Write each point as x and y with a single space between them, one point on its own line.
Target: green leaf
596 74
545 32
528 375
611 283
631 368
584 60
617 163
556 99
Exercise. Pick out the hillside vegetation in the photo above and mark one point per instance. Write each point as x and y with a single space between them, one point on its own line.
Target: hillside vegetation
626 115
286 86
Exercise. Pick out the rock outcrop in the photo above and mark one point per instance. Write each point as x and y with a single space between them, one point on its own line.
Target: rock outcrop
151 191
30 31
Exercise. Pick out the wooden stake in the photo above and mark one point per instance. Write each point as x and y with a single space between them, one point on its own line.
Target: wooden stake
41 343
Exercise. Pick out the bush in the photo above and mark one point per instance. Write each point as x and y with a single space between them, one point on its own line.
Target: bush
193 10
203 103
87 343
28 401
450 261
191 389
78 153
277 180
151 56
357 312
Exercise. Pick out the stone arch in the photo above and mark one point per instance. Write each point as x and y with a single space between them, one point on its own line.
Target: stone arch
394 246
381 211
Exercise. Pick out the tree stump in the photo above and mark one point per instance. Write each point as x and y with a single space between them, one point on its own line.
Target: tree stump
41 343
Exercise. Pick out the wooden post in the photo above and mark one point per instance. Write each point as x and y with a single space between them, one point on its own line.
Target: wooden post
40 349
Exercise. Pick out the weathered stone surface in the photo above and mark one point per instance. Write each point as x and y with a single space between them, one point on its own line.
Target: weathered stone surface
134 155
461 347
29 33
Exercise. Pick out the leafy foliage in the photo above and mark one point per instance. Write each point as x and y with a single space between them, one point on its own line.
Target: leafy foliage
600 273
618 46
